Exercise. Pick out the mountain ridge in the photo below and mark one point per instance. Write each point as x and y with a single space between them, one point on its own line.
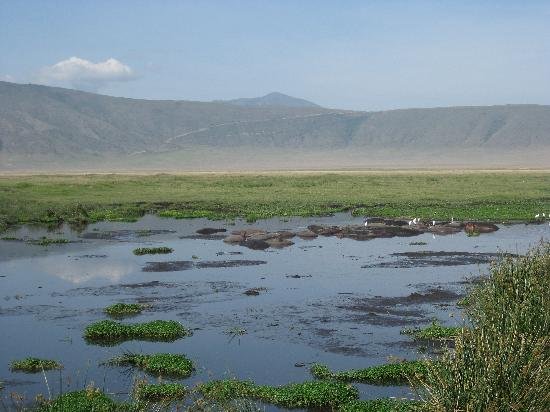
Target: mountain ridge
37 119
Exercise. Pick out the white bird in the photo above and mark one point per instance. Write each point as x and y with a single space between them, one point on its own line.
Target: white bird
452 219
410 222
543 215
537 216
366 223
433 222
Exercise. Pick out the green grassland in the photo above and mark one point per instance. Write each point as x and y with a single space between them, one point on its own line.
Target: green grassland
80 199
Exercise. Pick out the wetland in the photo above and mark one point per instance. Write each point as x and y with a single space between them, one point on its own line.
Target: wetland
215 318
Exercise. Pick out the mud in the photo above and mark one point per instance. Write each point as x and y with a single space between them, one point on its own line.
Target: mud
123 235
180 265
210 231
432 258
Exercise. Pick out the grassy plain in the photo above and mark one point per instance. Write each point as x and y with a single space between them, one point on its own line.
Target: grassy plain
79 199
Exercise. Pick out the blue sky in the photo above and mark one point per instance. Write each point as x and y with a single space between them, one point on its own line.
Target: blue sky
365 55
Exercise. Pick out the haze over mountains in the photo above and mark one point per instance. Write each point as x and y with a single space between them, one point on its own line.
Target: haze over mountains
40 123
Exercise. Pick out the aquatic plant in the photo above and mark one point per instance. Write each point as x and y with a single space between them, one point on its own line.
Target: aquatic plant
90 399
152 250
34 365
111 332
435 331
159 392
388 374
381 405
165 364
294 395
503 362
123 309
45 241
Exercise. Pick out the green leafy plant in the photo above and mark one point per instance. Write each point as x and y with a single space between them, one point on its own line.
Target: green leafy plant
152 250
165 364
389 374
123 309
34 365
315 394
112 332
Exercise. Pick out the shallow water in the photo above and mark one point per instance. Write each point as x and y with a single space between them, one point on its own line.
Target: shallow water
340 302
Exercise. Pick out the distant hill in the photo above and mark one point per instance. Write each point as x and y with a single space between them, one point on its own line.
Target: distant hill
272 99
41 120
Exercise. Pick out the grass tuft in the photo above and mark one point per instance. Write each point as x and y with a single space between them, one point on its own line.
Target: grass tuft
119 310
503 362
381 405
389 374
435 331
160 392
315 394
152 250
87 400
109 332
159 364
34 365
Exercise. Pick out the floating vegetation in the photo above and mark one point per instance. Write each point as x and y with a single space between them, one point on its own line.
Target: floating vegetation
389 374
160 392
152 250
111 332
119 310
90 399
503 362
315 394
381 405
418 243
435 331
34 365
46 241
160 364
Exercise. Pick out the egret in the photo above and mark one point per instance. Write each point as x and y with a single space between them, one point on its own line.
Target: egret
452 219
366 223
537 216
433 222
410 222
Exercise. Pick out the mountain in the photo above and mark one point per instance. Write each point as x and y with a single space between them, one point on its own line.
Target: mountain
272 99
60 123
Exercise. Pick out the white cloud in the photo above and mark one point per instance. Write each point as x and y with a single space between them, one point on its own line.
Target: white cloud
84 74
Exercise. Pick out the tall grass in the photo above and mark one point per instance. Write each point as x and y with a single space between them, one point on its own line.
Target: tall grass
503 362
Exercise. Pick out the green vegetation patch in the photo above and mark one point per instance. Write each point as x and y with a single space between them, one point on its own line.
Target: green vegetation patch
78 200
165 364
313 394
160 392
388 374
152 250
46 241
435 331
503 362
111 332
123 309
34 365
82 401
381 405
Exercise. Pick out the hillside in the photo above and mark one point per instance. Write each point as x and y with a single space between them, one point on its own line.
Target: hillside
54 122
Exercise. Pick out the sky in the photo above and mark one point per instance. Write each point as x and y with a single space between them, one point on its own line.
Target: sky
360 55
